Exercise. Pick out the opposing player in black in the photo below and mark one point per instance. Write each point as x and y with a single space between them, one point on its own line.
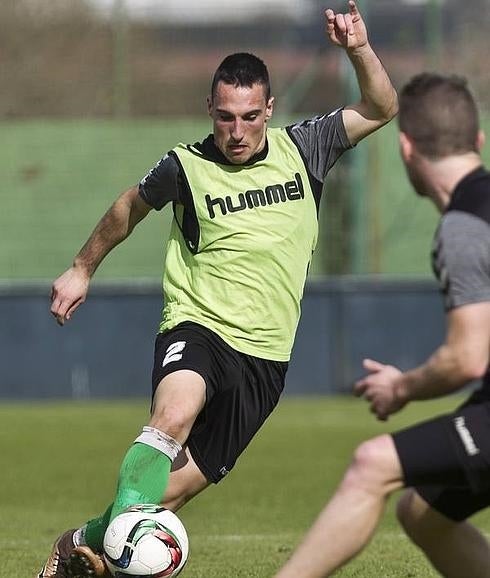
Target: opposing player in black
245 225
445 461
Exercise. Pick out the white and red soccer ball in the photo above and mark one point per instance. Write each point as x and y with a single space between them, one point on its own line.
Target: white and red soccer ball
146 540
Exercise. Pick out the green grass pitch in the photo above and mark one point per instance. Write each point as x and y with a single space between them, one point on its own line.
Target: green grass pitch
60 461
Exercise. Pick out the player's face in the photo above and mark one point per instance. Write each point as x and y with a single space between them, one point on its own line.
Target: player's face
240 116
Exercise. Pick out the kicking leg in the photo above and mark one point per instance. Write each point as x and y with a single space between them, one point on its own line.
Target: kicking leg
146 468
145 471
185 482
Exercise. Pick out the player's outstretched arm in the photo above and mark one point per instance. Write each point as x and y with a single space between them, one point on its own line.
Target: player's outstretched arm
379 101
463 357
70 289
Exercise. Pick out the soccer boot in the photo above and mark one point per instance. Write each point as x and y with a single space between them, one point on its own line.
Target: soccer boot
60 554
83 562
69 561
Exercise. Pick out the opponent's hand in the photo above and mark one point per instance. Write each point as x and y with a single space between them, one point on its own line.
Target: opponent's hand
68 292
346 30
379 388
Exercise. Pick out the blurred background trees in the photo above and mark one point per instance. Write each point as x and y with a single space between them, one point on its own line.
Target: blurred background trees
96 91
99 58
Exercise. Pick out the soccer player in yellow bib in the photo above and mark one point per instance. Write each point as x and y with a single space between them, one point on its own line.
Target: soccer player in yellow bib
245 203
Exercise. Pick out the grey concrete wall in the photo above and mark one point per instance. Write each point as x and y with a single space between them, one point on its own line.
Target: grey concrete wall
107 348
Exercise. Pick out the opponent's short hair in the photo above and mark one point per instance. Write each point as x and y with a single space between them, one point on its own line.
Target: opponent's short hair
440 114
242 69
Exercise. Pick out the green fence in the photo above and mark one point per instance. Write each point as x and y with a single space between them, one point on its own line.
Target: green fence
60 176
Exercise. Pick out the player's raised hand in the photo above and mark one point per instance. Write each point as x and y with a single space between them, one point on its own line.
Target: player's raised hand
379 388
68 292
346 30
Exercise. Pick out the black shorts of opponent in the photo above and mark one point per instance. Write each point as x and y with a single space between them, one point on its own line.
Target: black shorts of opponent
241 392
447 459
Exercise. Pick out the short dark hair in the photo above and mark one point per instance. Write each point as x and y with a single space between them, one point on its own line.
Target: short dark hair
440 114
242 69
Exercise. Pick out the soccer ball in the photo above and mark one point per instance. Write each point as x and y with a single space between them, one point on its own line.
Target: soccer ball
146 540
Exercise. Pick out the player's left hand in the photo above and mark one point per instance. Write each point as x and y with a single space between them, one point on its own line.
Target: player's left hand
379 388
346 30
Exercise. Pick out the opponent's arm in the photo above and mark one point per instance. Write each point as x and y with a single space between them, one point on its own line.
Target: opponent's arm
463 357
70 289
379 101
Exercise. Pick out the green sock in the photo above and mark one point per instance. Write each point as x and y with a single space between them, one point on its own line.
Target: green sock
143 478
95 530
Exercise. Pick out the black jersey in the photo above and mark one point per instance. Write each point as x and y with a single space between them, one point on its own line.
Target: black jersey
461 251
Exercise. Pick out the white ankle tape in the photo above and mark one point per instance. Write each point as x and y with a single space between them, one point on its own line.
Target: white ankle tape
159 440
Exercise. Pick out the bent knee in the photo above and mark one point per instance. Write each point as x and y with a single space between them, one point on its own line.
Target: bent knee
173 421
376 454
375 464
178 400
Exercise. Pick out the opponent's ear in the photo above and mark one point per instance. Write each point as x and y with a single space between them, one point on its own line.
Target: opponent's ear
480 140
209 103
406 146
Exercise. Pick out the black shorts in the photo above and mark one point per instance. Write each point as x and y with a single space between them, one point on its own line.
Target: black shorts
241 392
447 459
